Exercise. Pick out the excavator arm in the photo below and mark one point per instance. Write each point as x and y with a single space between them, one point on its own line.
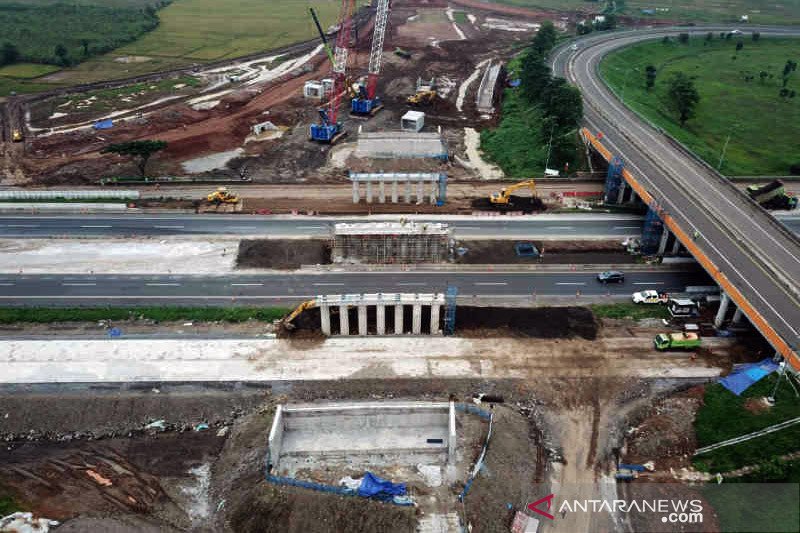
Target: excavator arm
287 322
503 196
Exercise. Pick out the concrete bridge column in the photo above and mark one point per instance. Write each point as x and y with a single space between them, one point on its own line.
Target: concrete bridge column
362 320
416 320
398 319
394 192
380 319
737 315
344 321
408 191
723 310
420 191
325 319
662 246
435 309
381 192
369 192
434 191
356 192
621 193
676 247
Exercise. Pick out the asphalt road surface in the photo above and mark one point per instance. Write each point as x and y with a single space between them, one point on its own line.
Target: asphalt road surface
566 226
743 242
287 289
537 226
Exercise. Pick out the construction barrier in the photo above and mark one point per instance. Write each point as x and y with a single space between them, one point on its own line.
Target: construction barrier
486 415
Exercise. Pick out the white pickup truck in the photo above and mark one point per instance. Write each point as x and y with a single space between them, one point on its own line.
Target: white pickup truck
650 297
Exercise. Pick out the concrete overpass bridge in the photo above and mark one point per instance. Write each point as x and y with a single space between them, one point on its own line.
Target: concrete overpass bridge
754 258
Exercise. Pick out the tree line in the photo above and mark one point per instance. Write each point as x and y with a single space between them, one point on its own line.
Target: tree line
64 34
559 101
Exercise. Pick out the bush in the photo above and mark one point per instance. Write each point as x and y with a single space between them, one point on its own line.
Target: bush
44 315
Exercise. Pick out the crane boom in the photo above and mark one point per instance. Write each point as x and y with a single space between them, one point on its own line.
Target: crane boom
376 52
322 35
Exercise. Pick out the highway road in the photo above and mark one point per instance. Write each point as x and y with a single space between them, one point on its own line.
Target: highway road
537 226
286 289
745 245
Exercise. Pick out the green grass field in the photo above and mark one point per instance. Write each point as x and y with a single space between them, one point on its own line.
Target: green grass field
26 70
763 127
44 315
629 310
759 11
724 416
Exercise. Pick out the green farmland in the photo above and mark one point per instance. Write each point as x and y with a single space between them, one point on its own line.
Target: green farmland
194 31
759 11
763 127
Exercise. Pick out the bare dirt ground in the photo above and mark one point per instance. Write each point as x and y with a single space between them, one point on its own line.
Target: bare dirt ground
551 252
293 253
437 48
567 406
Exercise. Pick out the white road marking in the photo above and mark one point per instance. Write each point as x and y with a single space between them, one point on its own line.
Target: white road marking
407 284
490 283
168 227
328 284
95 226
571 283
23 226
163 284
6 284
562 227
310 227
627 227
78 284
247 284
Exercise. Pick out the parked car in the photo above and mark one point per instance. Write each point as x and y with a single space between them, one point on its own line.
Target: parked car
611 276
650 297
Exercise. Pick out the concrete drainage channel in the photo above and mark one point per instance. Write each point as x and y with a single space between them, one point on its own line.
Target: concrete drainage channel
310 446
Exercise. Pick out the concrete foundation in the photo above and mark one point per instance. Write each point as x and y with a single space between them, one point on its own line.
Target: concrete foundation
391 242
435 191
362 433
398 303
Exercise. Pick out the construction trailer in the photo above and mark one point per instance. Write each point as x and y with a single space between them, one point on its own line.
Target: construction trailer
392 243
412 121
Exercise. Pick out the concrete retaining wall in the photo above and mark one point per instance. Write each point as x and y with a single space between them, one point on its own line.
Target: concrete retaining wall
364 432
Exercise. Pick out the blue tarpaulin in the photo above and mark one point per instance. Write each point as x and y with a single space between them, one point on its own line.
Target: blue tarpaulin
381 489
744 376
103 124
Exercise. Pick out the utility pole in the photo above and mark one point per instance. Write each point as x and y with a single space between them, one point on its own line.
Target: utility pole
724 149
549 146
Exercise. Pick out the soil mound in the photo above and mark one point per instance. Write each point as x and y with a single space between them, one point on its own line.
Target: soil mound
282 254
539 322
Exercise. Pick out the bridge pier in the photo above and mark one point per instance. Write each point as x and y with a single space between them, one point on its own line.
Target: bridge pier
723 310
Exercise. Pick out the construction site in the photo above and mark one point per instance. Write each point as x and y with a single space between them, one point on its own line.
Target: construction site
320 309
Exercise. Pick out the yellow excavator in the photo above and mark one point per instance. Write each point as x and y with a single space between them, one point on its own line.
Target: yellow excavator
222 196
502 198
287 322
422 98
16 136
